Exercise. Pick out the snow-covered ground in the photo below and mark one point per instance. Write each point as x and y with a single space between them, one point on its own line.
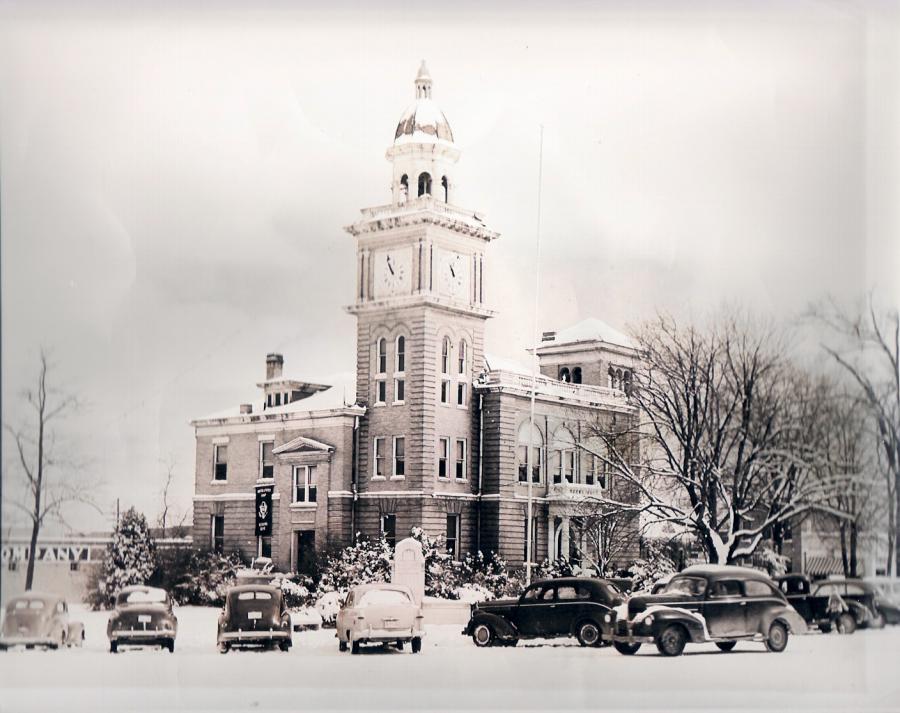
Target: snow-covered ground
816 673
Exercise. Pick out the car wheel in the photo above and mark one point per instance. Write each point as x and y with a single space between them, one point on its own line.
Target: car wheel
170 645
482 635
625 648
399 646
416 645
671 640
877 621
847 624
113 647
778 637
354 647
588 633
285 646
726 646
224 646
342 645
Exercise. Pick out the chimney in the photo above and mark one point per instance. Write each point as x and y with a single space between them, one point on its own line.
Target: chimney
274 365
246 408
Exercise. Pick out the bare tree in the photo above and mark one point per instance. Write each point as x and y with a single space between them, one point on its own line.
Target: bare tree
44 496
726 448
870 355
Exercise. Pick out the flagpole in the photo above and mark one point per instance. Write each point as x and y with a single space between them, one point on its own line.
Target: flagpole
529 554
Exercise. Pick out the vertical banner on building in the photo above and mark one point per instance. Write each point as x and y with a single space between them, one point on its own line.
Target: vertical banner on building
264 510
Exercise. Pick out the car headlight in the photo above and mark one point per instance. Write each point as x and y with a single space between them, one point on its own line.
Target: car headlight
607 618
648 619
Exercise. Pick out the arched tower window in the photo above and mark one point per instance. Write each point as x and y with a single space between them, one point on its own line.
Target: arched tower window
564 374
381 355
529 453
445 356
446 186
576 375
404 188
626 385
463 356
401 354
424 183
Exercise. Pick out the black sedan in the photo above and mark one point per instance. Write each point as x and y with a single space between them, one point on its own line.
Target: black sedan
142 617
254 615
569 606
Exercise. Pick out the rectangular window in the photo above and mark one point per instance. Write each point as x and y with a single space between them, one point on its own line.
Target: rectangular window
462 358
569 466
445 391
389 529
453 536
399 391
220 457
278 399
557 466
264 546
217 532
378 450
399 455
522 459
266 459
460 458
304 483
461 394
443 456
380 391
536 458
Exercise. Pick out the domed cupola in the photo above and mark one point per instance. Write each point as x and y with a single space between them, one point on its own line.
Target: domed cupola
423 120
423 151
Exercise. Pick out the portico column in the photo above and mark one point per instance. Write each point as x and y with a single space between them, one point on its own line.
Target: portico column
565 539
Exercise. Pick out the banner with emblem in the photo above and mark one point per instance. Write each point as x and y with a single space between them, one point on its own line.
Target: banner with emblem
264 510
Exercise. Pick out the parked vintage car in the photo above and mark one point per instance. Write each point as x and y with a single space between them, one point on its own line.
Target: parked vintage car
379 614
888 588
254 615
35 619
568 606
708 603
867 608
143 616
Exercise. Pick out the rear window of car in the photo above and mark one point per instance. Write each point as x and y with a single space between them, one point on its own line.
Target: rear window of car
153 596
35 604
383 597
245 596
755 588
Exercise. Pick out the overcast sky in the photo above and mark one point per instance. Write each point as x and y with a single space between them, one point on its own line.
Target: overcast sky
173 183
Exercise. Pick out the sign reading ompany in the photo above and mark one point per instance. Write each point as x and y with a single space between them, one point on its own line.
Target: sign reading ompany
49 553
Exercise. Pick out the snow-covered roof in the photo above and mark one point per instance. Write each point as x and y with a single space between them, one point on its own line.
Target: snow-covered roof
341 393
423 122
588 330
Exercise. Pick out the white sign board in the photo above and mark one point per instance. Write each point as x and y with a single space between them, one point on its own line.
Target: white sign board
409 567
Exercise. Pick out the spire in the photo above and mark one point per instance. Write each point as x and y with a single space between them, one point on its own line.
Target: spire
423 82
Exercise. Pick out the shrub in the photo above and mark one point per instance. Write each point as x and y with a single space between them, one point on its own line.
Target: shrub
366 561
656 565
298 590
206 578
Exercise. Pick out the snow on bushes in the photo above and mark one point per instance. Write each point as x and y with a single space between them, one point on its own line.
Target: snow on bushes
658 564
130 559
207 577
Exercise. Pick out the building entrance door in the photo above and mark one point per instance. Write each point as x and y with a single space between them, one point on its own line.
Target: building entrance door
306 552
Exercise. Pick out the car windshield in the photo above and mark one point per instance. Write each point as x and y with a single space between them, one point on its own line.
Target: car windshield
22 604
382 597
686 585
141 596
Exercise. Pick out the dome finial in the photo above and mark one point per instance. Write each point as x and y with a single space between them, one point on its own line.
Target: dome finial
423 82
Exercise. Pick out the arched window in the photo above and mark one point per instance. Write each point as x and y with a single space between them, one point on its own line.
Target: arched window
529 453
424 184
627 383
446 186
445 357
619 384
564 374
563 464
462 357
401 354
404 188
576 375
381 356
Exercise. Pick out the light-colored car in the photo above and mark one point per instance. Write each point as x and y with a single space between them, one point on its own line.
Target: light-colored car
143 617
380 614
35 619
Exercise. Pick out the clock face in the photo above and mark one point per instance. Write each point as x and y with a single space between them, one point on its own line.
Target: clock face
452 274
393 270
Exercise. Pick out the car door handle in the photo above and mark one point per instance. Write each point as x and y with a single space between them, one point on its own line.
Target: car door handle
743 604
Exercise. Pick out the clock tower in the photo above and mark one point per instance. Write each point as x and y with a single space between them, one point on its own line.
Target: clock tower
420 314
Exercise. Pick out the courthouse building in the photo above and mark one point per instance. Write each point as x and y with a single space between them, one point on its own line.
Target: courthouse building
430 431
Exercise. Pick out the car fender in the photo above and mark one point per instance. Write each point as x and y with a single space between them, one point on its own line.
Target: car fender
503 628
75 635
693 622
860 611
795 623
604 618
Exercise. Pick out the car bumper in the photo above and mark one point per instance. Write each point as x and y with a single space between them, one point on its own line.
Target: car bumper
364 636
250 637
27 641
629 633
122 635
